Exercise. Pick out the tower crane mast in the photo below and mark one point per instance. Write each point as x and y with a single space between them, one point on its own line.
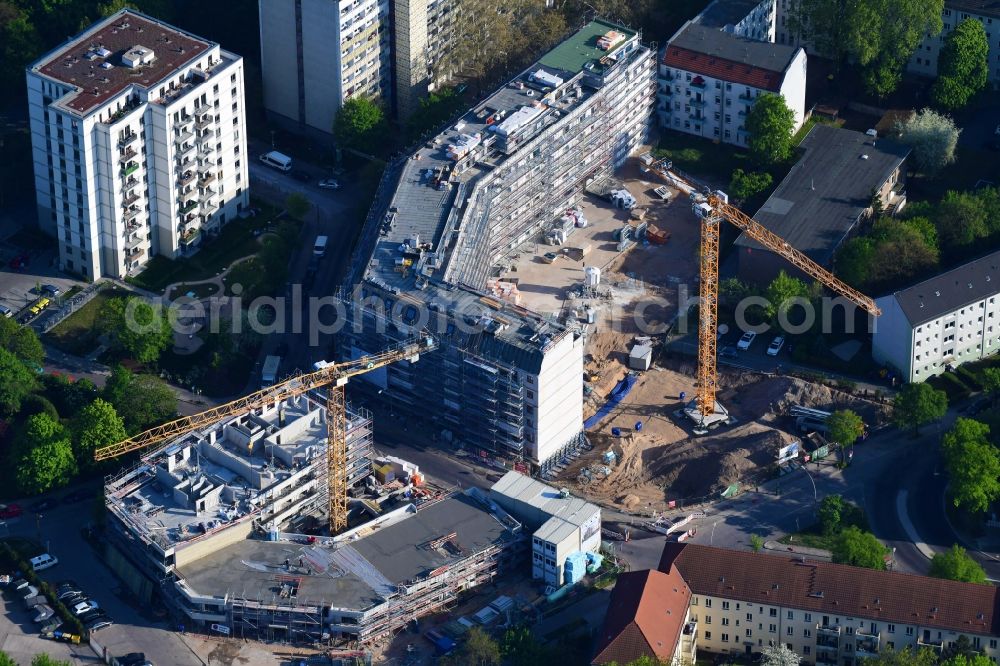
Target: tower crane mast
332 376
713 208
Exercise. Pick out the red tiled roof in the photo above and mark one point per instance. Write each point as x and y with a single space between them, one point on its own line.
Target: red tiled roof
822 587
645 617
721 68
118 33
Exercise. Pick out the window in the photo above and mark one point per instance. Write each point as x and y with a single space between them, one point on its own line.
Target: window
749 617
993 644
725 622
708 635
694 601
790 631
749 633
708 603
791 615
809 617
772 628
725 638
773 612
725 605
807 633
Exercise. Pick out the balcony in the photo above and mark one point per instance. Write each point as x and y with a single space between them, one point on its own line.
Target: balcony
928 643
130 183
129 200
206 149
190 237
127 139
698 83
187 195
183 136
208 208
185 150
206 136
207 121
131 213
207 180
130 169
188 207
186 178
133 242
185 121
206 195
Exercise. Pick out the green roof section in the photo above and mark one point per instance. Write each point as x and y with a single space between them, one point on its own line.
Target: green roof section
579 49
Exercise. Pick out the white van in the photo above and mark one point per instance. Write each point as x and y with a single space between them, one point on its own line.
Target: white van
279 161
319 249
43 561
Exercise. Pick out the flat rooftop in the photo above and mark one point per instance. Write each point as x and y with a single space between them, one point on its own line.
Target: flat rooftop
92 61
354 575
820 200
566 513
578 49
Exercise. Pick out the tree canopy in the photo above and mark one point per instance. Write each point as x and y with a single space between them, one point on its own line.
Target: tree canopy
782 293
917 404
933 137
16 382
297 205
479 649
830 514
845 427
136 327
905 657
956 564
97 425
973 465
770 124
745 185
778 655
141 400
963 65
21 341
360 124
46 458
861 549
893 253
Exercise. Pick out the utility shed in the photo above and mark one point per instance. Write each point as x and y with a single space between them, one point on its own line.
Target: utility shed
641 357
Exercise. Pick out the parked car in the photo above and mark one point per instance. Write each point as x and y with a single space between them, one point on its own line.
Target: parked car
329 184
66 589
10 511
43 612
775 346
133 659
29 591
19 584
746 341
84 606
6 311
96 621
43 562
51 290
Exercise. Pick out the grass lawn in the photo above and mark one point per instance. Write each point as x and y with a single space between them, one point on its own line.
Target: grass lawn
237 239
972 164
702 157
199 291
226 378
809 539
246 273
77 334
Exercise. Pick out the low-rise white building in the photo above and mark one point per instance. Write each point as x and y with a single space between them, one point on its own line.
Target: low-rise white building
139 143
945 321
924 60
562 524
708 80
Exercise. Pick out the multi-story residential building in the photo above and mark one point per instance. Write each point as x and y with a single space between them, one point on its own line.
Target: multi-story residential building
785 29
317 53
924 60
563 525
139 143
752 19
637 626
828 614
421 33
825 198
505 381
709 79
950 319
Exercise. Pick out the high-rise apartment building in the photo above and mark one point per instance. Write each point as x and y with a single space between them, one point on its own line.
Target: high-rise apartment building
139 143
421 32
316 54
505 381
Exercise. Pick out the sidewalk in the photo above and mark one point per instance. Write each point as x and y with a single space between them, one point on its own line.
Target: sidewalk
815 553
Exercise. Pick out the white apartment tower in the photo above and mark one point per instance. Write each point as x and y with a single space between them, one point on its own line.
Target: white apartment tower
139 143
316 54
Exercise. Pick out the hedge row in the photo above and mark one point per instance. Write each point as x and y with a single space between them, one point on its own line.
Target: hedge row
11 558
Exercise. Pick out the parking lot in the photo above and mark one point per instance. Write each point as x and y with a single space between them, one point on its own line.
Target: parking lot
20 640
24 266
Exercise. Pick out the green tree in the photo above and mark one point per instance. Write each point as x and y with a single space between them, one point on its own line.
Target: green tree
782 293
882 35
917 404
756 542
46 456
360 124
68 396
905 657
16 382
141 400
932 137
973 465
820 23
19 45
46 660
770 124
117 385
860 549
955 564
97 425
519 647
297 205
991 382
963 219
778 655
963 65
967 660
136 327
746 185
831 514
855 259
436 109
21 341
845 427
478 649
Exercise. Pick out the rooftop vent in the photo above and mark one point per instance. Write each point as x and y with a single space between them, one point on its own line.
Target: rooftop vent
138 56
937 293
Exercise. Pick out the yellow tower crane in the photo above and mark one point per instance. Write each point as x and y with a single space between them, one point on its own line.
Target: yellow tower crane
333 377
712 209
